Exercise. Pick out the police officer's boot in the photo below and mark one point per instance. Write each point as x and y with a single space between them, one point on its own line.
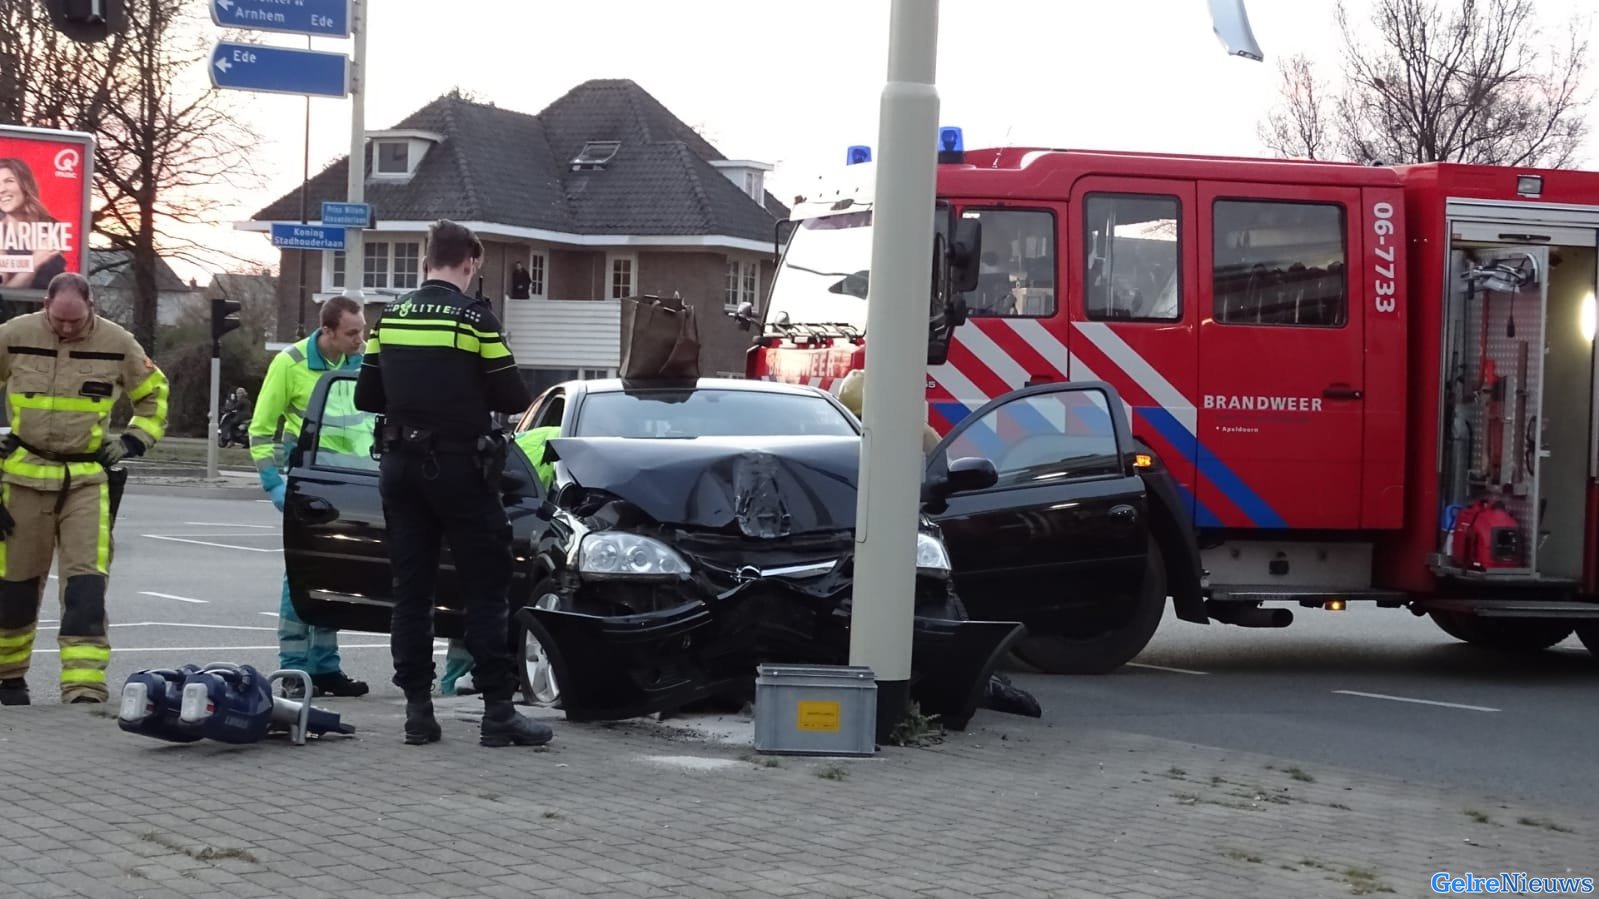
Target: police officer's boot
14 691
420 725
503 726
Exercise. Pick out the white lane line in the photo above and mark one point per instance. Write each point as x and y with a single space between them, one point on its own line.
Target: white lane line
268 614
231 524
248 549
1447 705
214 627
274 647
1164 668
170 596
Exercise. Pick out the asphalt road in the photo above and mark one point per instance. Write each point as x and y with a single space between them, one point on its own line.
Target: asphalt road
1367 689
196 578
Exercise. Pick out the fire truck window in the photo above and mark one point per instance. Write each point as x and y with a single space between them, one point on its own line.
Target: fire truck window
1280 264
1016 272
1044 438
1131 258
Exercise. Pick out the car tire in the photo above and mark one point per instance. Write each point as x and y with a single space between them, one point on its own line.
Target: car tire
1505 634
535 666
1113 647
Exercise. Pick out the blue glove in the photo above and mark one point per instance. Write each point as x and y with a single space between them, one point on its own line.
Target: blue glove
278 495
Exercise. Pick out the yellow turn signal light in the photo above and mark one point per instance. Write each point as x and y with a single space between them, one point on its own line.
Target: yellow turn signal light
1334 605
1143 460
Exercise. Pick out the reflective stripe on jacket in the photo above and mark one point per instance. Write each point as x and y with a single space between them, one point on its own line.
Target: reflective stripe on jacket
285 394
60 395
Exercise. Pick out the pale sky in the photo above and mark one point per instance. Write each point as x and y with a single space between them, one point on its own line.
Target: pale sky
794 84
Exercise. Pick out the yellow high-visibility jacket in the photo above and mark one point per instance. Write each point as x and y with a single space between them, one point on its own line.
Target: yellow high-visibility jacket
60 394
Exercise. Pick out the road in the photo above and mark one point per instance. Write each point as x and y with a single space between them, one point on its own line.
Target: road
196 579
1368 689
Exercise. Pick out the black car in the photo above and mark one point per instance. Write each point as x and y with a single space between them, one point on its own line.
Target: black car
692 531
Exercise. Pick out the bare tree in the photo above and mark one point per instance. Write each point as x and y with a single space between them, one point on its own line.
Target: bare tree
1463 81
161 152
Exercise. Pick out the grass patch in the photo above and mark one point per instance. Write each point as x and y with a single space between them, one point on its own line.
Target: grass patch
199 853
833 772
1363 881
1299 774
916 729
193 450
1176 772
1339 806
552 814
1479 817
1242 855
765 761
1546 824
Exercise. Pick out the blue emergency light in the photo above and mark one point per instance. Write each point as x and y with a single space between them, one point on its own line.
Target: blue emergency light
951 145
858 153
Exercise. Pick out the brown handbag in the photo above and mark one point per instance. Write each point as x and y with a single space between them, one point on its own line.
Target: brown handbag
660 339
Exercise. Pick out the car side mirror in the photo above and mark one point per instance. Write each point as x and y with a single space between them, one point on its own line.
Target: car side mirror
964 252
970 473
744 315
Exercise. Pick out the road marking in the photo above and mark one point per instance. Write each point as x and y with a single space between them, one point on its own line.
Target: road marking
230 524
268 614
1164 668
1447 705
214 627
117 649
248 549
170 596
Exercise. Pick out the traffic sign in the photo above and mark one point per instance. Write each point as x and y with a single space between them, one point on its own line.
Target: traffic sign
276 70
346 215
307 237
324 18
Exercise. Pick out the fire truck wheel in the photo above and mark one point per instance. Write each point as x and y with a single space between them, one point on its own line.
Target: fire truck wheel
1588 633
1111 645
1514 635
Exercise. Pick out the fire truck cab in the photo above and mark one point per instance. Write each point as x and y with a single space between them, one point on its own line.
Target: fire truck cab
1368 383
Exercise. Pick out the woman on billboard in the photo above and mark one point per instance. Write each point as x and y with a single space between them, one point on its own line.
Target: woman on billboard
20 205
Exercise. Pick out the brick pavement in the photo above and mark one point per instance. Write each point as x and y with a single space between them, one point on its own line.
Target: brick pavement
1012 807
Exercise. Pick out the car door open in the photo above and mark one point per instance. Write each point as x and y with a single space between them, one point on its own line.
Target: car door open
1064 524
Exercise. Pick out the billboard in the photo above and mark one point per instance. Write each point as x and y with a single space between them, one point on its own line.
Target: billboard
45 179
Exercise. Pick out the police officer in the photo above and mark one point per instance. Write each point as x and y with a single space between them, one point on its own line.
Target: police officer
436 368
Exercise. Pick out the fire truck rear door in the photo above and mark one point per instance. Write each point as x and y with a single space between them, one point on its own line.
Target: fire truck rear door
1281 370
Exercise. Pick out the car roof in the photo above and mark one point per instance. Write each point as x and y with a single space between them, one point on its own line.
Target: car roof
617 385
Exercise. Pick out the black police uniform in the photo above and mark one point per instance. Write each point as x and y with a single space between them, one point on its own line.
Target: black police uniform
435 367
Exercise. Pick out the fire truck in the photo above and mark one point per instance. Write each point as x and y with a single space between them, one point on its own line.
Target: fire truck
1369 383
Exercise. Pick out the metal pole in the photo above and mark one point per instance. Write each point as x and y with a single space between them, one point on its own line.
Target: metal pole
896 317
305 179
354 243
216 389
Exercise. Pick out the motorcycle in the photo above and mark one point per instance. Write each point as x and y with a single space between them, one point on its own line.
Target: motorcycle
234 424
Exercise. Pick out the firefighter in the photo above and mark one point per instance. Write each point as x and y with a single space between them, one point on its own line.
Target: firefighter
64 368
436 368
286 394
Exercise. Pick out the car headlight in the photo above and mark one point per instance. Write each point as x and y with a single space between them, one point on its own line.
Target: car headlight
617 554
931 557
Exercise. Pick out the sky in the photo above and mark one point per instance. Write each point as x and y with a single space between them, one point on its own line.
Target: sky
795 83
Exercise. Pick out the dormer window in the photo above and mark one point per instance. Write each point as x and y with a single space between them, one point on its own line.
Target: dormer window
394 157
595 154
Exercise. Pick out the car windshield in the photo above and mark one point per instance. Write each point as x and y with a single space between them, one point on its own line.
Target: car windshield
709 413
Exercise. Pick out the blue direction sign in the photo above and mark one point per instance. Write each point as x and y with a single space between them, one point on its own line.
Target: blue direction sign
326 18
346 215
248 67
307 237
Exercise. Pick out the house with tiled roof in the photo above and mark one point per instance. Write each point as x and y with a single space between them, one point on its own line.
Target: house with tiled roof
604 194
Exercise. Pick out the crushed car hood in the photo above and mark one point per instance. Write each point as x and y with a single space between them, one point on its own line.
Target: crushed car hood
766 487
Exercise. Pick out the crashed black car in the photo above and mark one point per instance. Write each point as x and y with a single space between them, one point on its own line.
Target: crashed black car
689 532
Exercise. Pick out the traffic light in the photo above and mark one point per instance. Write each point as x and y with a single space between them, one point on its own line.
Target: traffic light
224 318
88 21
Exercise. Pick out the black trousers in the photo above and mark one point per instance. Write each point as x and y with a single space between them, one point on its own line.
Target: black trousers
426 500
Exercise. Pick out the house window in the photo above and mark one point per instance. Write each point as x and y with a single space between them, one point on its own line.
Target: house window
743 283
394 157
752 184
535 271
388 264
623 276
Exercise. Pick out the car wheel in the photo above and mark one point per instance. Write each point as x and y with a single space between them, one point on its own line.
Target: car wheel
1508 634
1104 648
536 667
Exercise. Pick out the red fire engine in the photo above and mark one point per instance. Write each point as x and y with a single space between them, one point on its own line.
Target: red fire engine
1369 383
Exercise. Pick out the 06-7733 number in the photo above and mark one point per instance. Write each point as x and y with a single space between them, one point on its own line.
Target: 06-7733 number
1384 265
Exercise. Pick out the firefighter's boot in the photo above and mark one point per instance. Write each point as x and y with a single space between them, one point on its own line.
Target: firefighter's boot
420 725
14 691
503 726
